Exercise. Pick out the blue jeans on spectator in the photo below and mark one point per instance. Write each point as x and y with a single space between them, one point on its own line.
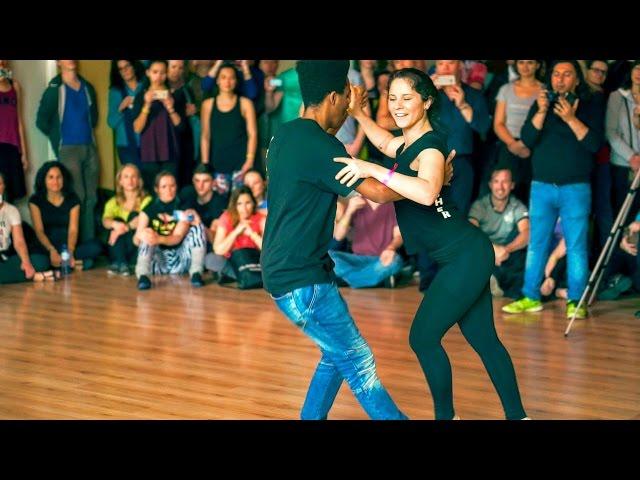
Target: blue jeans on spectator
361 271
322 314
572 203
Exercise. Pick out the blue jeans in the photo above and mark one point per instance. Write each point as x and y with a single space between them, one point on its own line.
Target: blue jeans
361 271
321 313
573 204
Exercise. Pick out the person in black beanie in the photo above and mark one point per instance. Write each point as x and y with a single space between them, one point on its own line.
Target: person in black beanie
297 269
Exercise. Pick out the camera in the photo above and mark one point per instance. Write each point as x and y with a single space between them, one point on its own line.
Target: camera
275 82
160 94
445 80
554 96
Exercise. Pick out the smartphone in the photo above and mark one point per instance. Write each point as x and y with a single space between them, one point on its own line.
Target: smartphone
160 94
445 80
275 82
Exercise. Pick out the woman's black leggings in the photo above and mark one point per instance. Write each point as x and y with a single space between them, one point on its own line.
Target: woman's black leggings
460 294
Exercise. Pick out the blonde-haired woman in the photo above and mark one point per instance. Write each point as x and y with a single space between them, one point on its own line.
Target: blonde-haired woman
120 217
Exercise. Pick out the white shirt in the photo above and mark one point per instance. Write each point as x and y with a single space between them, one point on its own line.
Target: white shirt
9 217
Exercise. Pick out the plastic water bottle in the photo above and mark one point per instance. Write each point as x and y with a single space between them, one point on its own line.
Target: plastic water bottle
65 267
180 215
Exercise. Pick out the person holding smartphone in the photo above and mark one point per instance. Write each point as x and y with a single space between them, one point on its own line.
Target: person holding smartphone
158 123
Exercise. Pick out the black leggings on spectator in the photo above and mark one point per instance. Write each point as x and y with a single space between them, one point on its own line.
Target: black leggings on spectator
10 271
466 300
124 251
85 250
510 273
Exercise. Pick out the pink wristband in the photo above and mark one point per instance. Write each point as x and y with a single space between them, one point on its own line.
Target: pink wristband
389 174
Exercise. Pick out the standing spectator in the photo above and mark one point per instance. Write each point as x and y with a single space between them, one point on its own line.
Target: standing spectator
596 74
622 132
249 78
126 82
564 136
513 103
463 111
229 132
186 108
200 69
67 114
157 121
284 101
13 146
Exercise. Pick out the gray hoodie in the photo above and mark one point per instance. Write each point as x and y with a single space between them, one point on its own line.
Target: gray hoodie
619 128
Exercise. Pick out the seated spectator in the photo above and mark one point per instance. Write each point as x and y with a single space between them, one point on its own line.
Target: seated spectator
16 264
505 220
55 212
168 241
201 200
376 237
241 226
120 217
622 271
569 126
256 182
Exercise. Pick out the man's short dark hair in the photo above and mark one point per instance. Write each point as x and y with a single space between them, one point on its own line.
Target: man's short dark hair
318 78
202 168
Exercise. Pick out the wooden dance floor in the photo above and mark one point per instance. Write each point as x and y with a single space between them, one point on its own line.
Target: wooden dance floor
93 347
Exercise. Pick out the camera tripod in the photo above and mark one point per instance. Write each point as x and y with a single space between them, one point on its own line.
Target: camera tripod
608 249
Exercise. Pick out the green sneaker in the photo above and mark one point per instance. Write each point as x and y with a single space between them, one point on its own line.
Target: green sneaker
572 306
524 305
